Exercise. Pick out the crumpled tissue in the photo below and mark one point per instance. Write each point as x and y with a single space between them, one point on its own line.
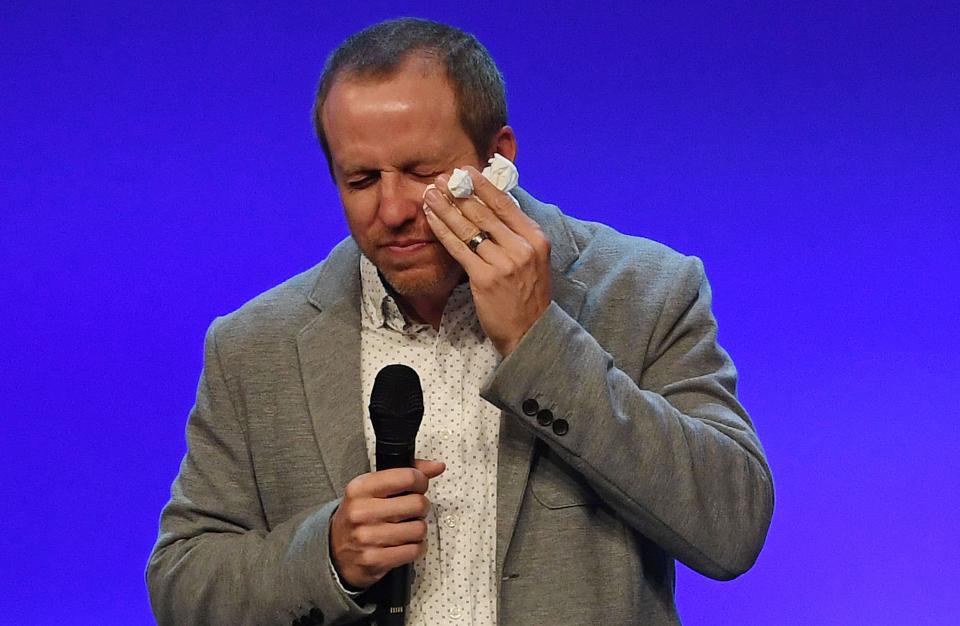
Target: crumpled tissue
499 170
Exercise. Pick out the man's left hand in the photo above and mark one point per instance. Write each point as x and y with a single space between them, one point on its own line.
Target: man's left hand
509 272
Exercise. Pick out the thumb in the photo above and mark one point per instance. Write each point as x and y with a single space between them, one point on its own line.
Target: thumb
431 469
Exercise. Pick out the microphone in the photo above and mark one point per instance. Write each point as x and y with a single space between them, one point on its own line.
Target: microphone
396 409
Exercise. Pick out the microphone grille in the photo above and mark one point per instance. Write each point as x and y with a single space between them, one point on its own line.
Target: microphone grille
396 404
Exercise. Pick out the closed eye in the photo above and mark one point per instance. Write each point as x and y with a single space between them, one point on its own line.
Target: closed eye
363 181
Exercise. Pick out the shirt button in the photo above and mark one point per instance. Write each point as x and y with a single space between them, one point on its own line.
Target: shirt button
455 612
450 521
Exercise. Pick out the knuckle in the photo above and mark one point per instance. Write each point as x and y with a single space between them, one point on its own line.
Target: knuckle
483 221
350 492
420 529
540 242
355 488
424 505
529 251
503 203
412 475
354 516
418 481
366 559
485 278
361 536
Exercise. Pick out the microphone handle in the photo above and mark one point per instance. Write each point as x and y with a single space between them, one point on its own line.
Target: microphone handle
394 588
393 455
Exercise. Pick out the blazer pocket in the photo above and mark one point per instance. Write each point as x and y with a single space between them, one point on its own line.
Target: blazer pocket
555 484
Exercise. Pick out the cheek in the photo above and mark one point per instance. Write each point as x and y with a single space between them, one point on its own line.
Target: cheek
406 190
360 210
416 185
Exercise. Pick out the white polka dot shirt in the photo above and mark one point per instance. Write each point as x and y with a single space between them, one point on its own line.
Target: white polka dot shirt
455 581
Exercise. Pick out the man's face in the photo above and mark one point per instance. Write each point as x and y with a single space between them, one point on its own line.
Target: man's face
389 138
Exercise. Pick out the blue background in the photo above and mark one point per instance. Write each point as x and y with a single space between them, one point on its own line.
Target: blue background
157 168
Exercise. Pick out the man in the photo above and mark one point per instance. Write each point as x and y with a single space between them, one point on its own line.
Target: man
581 423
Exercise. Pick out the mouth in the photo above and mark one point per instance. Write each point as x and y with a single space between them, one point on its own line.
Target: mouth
408 246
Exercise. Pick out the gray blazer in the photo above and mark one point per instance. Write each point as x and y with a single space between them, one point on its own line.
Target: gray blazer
622 447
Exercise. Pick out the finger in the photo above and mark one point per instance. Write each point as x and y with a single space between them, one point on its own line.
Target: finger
390 535
480 216
374 511
531 236
396 556
497 250
502 244
430 469
386 483
472 263
463 230
401 508
453 213
498 202
448 211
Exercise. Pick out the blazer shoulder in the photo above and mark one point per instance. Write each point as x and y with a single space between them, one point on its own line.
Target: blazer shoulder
609 255
270 319
592 249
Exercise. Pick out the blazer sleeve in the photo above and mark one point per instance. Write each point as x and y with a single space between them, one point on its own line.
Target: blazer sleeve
669 447
216 561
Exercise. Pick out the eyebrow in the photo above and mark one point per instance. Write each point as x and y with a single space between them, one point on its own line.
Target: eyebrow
354 170
408 165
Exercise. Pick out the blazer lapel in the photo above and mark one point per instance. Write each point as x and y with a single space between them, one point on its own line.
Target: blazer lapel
329 352
516 442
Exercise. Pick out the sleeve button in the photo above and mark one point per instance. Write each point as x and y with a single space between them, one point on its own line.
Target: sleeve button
530 407
561 427
545 417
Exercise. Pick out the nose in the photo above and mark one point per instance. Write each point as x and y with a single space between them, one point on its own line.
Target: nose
400 203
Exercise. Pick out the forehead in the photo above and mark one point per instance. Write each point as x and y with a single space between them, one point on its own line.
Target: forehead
412 110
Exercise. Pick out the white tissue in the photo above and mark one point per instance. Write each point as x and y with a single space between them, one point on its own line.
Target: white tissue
501 172
460 184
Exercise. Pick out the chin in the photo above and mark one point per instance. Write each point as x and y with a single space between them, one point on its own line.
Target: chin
435 273
423 281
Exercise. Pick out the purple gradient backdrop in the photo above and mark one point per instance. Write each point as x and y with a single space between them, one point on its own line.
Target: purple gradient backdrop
157 169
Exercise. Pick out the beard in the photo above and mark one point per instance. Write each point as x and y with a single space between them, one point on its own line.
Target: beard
433 272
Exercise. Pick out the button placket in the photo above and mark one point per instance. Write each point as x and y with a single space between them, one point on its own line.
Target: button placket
462 430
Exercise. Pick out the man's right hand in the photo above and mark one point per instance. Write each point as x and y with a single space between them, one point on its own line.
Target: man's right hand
375 528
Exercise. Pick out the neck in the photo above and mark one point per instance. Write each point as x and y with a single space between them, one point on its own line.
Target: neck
424 309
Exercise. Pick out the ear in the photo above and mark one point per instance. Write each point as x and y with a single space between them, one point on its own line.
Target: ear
504 142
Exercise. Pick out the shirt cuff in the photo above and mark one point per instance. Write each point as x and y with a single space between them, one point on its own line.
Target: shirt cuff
343 588
350 593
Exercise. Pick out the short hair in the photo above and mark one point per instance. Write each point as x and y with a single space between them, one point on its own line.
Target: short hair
379 50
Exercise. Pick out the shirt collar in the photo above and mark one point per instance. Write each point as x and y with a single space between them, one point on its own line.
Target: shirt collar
380 309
